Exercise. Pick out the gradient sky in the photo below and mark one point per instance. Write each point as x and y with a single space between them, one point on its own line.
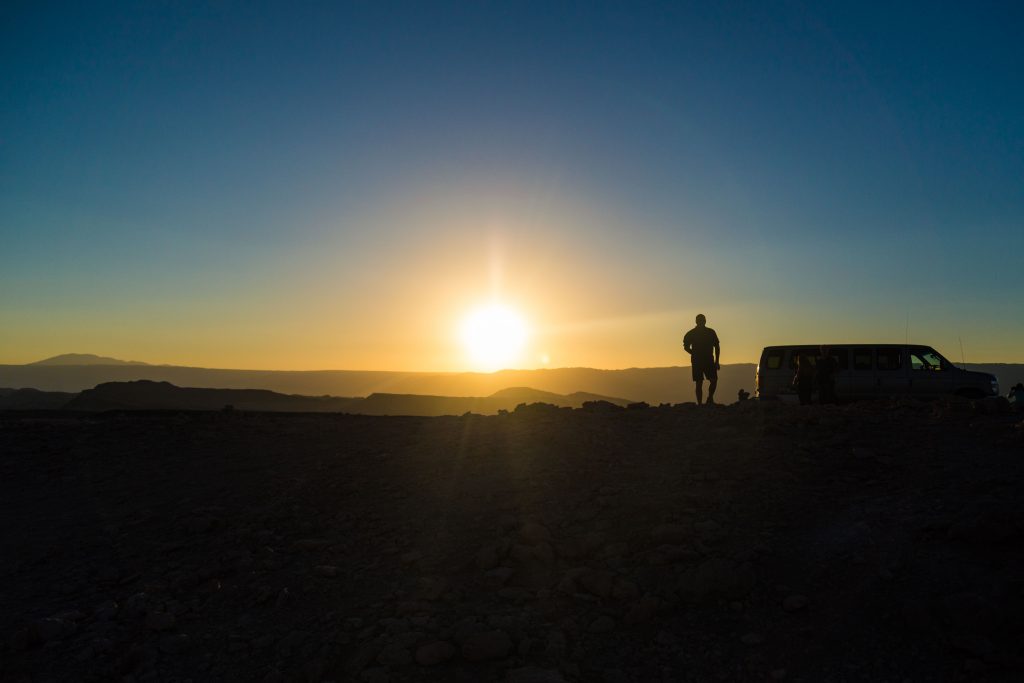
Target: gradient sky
271 186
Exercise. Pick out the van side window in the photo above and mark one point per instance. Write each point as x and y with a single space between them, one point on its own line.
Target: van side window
773 359
889 359
863 359
842 358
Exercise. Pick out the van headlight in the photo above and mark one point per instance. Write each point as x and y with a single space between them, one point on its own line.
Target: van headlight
995 387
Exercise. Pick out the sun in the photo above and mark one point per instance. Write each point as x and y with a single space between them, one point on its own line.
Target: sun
494 337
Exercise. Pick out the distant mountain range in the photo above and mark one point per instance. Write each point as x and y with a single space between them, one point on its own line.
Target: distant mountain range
653 385
150 395
84 359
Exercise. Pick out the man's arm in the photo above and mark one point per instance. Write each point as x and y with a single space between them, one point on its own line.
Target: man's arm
718 354
687 344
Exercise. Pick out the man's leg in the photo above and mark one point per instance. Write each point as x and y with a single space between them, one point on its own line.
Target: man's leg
700 390
712 385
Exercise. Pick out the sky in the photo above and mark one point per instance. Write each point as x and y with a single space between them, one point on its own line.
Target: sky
339 185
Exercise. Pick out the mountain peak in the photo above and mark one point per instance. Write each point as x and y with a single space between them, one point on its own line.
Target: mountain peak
84 359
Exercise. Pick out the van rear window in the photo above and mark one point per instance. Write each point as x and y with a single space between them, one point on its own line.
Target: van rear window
889 359
773 359
863 359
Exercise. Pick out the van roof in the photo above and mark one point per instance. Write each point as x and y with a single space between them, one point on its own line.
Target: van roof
858 345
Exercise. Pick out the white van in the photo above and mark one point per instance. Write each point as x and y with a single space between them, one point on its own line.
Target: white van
873 371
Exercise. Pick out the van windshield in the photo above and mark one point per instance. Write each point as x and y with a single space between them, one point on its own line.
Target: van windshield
928 360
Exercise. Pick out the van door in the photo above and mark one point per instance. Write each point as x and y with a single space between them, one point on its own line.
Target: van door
862 382
892 372
844 376
929 376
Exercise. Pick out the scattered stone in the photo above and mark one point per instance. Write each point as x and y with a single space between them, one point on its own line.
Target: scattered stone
174 644
308 544
394 655
486 646
643 610
597 582
377 674
160 621
326 570
752 639
671 533
603 624
434 653
487 557
625 590
533 674
534 533
794 603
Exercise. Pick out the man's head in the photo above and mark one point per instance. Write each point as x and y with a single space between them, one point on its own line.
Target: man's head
701 320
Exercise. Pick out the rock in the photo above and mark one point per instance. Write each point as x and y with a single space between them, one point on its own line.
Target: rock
794 603
974 644
603 624
533 674
486 646
556 643
971 613
597 582
160 621
377 674
47 630
534 533
105 611
411 557
430 588
752 639
434 653
515 594
672 534
499 576
308 544
326 570
625 590
717 577
487 558
394 655
615 550
709 531
174 644
643 610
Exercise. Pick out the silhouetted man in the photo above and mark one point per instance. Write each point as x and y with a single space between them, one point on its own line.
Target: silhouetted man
702 344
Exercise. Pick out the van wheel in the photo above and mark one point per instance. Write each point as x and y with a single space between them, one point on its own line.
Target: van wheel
970 393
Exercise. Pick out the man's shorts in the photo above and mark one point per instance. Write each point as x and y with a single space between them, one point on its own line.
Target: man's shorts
702 370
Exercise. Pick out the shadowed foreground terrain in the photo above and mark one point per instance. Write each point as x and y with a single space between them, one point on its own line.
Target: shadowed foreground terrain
874 542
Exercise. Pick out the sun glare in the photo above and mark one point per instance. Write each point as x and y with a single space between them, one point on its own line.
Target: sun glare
494 337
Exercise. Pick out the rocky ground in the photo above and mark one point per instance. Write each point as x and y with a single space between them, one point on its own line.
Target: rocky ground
753 542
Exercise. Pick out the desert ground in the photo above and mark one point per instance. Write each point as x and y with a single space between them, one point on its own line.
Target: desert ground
751 542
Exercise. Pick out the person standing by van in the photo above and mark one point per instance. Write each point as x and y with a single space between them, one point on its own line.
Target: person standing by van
803 380
702 344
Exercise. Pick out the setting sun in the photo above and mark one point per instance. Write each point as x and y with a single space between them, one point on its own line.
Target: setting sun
493 336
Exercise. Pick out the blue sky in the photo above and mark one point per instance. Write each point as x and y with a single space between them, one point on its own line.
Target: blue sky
286 185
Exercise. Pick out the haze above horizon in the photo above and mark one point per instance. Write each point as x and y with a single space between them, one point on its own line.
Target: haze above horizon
400 186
